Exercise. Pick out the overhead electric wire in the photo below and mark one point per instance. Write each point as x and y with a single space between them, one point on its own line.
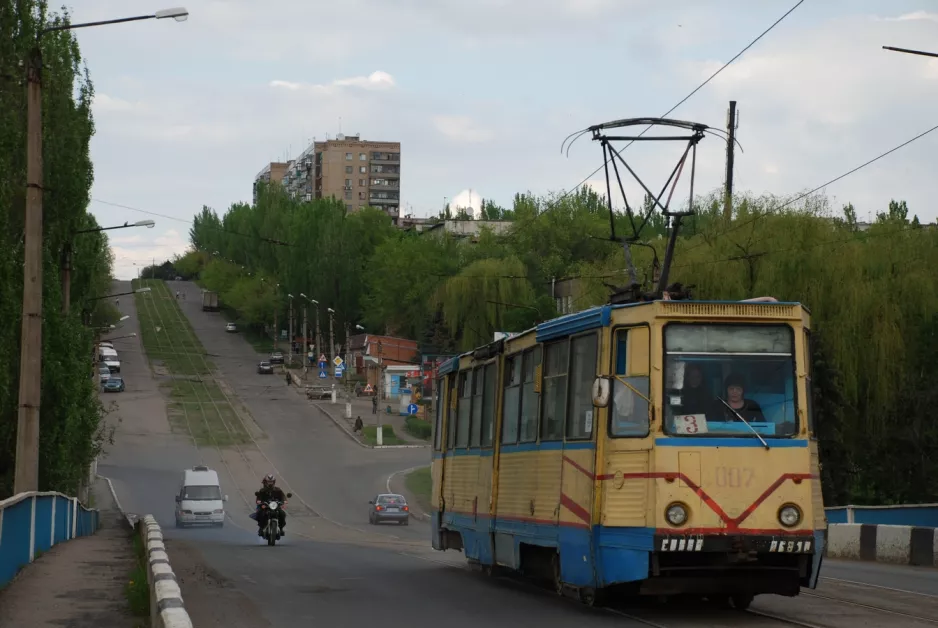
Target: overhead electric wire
822 186
681 102
192 222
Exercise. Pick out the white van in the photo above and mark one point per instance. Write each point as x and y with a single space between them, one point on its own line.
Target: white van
199 500
108 357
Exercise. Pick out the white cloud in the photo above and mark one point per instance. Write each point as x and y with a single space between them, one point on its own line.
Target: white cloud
914 17
462 129
376 81
467 199
104 103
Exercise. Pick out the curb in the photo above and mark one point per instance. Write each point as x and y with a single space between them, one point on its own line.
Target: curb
413 502
129 518
345 429
167 610
897 545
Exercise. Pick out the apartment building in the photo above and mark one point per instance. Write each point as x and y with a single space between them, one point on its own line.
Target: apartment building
273 171
360 173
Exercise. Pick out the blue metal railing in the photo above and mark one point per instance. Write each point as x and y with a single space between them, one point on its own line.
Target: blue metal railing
920 515
31 523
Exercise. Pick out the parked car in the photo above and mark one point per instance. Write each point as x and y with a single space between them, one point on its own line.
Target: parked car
231 328
264 368
276 358
114 383
104 374
388 507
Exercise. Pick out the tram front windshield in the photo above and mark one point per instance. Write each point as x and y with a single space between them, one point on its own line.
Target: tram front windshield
729 380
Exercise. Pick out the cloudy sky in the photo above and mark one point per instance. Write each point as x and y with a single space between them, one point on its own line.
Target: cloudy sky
481 93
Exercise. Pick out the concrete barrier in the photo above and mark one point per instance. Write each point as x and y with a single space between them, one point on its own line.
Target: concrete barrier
898 545
167 609
917 515
31 523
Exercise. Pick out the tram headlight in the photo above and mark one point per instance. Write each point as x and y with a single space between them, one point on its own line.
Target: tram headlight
789 515
676 514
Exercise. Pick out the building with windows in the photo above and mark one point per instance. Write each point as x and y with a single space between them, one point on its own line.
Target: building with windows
360 173
273 171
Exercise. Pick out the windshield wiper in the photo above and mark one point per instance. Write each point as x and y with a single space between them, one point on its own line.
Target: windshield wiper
733 410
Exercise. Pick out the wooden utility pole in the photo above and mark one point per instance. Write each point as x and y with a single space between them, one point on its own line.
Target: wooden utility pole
26 476
730 158
67 278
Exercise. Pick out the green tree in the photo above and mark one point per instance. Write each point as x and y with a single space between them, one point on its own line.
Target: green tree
71 433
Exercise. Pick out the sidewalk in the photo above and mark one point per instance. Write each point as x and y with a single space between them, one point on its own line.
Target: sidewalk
79 583
361 407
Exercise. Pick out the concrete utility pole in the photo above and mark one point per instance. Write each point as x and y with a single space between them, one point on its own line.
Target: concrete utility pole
318 351
331 338
306 347
290 343
26 469
731 122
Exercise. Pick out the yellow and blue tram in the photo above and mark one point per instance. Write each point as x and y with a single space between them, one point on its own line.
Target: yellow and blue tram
663 448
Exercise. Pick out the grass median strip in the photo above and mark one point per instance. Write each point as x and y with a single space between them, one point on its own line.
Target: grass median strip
196 403
419 483
388 437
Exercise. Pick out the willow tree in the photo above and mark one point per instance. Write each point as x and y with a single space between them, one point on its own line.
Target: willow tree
475 302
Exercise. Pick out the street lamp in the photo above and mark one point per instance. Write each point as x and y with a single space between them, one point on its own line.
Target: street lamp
26 470
67 258
290 345
331 337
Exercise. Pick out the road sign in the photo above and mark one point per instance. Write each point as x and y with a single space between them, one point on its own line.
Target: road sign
322 358
337 361
322 375
323 366
369 389
412 408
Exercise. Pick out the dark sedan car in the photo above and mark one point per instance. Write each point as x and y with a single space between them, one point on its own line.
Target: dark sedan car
276 358
264 368
115 383
388 507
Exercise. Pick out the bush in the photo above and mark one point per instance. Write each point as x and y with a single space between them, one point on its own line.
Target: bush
137 590
417 428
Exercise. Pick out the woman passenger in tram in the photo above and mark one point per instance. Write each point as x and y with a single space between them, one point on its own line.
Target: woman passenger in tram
734 389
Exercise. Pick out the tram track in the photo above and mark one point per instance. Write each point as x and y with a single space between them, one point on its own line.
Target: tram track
205 373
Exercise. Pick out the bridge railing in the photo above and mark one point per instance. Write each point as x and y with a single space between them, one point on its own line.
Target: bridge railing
31 523
917 515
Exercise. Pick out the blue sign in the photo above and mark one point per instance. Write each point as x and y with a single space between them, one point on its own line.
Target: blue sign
322 366
412 408
339 371
322 375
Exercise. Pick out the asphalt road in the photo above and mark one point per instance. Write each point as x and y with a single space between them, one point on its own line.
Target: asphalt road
364 575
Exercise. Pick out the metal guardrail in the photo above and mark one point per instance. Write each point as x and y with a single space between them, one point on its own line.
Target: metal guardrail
31 523
919 515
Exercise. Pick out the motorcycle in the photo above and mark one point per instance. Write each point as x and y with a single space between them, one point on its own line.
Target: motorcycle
271 530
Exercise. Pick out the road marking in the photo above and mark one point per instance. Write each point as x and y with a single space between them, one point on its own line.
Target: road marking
878 586
391 477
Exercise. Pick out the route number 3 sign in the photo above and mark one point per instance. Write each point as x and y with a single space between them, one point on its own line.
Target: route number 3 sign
690 424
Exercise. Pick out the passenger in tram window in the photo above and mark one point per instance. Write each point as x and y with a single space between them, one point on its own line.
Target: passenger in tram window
695 398
734 389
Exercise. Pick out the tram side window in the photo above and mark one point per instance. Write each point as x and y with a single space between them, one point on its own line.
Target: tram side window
556 362
629 417
530 395
451 397
510 408
475 433
465 403
438 420
488 404
583 371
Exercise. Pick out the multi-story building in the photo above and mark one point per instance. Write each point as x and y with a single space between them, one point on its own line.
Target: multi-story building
358 172
273 171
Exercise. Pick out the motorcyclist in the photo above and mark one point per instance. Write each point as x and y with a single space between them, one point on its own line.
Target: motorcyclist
270 491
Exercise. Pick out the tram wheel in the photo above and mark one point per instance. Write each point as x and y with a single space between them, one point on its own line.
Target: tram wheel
591 597
741 601
557 582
